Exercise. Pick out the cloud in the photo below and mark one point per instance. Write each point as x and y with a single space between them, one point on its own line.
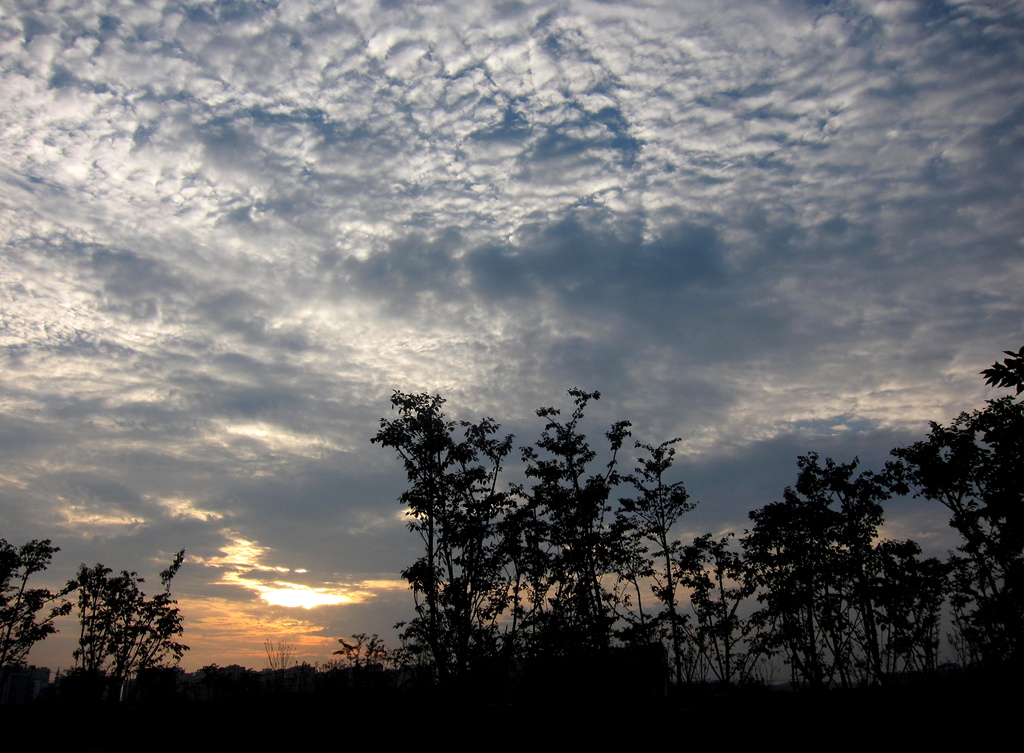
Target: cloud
242 564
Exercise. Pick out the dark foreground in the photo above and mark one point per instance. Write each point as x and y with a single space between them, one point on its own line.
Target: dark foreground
947 710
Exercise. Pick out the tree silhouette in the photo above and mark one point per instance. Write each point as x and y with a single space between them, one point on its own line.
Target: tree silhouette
973 468
813 557
909 594
26 614
790 551
841 605
551 571
279 655
652 516
718 578
454 505
1009 373
575 547
120 630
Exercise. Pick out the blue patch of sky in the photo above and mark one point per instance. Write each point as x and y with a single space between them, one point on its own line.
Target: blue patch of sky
558 140
514 126
843 424
222 11
769 162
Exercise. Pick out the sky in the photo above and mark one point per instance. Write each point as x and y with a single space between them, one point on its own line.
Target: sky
232 229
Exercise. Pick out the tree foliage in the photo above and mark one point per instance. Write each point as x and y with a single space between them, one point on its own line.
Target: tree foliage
366 656
828 586
121 631
719 580
1009 373
652 516
505 573
909 595
973 467
566 523
26 614
454 505
279 655
552 568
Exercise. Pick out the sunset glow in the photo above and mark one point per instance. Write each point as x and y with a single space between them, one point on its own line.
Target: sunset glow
294 595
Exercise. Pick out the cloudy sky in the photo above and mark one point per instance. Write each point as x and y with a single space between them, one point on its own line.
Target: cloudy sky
231 229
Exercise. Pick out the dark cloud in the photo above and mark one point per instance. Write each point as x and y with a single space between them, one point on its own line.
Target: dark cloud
414 264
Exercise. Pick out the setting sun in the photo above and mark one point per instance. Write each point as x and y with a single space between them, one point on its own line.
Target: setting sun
294 595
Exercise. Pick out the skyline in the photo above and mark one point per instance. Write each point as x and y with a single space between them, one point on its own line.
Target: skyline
231 230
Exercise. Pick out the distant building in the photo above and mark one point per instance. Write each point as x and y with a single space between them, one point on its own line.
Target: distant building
24 684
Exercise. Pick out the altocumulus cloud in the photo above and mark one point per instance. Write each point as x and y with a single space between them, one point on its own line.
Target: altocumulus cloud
231 229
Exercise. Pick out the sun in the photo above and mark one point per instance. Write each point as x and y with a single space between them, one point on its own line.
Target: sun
294 595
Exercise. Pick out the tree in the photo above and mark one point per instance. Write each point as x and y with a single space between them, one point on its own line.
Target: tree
973 468
566 511
789 548
652 516
366 652
842 605
453 503
717 576
279 655
121 631
815 565
26 614
1009 373
909 594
